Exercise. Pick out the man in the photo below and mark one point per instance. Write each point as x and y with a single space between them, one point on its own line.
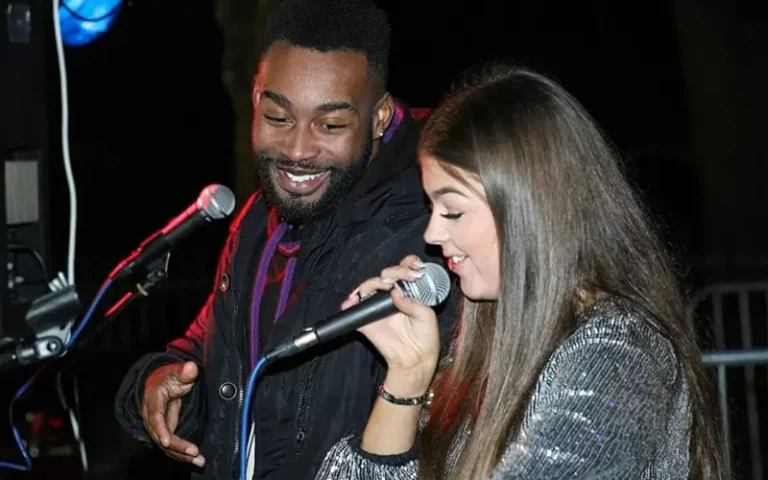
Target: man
341 199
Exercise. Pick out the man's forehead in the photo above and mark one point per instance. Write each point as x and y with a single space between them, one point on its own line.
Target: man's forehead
305 76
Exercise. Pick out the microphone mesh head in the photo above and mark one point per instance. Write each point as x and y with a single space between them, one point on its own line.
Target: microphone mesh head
216 201
432 288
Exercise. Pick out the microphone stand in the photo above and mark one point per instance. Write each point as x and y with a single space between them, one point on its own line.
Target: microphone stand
19 353
157 272
44 346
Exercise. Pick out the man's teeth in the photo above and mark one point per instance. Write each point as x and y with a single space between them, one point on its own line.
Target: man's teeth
302 178
457 259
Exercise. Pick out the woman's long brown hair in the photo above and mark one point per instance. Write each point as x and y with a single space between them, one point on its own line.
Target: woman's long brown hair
566 219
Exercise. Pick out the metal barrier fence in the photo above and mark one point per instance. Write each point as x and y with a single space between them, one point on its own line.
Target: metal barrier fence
736 312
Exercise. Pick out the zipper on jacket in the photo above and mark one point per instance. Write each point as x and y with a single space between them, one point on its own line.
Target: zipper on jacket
240 395
306 388
237 321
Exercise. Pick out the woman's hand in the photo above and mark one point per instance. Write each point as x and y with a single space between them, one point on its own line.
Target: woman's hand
409 340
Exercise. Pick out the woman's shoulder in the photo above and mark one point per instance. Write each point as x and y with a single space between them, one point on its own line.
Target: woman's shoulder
603 401
616 319
617 331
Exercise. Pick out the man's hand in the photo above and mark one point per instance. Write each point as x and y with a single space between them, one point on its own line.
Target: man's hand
161 408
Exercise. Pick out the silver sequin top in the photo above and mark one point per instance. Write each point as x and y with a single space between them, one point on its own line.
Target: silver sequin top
610 404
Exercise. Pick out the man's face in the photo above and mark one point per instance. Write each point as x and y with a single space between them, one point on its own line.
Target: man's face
313 128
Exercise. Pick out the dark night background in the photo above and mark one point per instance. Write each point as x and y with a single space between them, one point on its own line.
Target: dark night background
677 85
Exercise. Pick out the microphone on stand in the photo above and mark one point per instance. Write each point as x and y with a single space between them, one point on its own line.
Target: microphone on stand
431 290
215 202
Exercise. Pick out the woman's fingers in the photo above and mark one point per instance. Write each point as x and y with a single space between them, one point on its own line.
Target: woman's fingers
409 269
365 290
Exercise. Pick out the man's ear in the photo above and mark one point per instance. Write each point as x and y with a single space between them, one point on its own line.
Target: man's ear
382 115
255 91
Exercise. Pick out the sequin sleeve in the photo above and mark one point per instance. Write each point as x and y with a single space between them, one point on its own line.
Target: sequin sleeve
600 408
347 461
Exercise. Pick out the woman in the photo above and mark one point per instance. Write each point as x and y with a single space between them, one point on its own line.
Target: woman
574 358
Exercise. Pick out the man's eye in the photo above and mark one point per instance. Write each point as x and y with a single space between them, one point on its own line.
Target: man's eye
275 119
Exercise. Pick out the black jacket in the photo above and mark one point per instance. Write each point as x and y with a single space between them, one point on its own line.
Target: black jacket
304 405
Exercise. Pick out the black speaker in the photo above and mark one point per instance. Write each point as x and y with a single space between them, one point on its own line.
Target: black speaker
26 75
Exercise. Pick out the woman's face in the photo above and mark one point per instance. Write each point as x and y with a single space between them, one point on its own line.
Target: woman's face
462 225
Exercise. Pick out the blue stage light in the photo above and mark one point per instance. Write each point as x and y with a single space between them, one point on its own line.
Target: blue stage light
82 21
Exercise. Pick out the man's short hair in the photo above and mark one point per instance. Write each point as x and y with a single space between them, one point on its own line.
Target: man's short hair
336 25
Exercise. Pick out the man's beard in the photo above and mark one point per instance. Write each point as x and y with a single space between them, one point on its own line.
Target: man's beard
295 209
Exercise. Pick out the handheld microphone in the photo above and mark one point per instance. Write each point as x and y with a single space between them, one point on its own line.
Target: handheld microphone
215 202
431 290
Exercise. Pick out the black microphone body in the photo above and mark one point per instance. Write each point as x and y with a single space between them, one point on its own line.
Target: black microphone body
375 307
214 202
163 240
431 290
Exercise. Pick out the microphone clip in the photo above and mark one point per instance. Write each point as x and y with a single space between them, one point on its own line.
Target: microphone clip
157 271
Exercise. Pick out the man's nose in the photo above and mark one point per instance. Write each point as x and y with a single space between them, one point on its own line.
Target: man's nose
300 144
